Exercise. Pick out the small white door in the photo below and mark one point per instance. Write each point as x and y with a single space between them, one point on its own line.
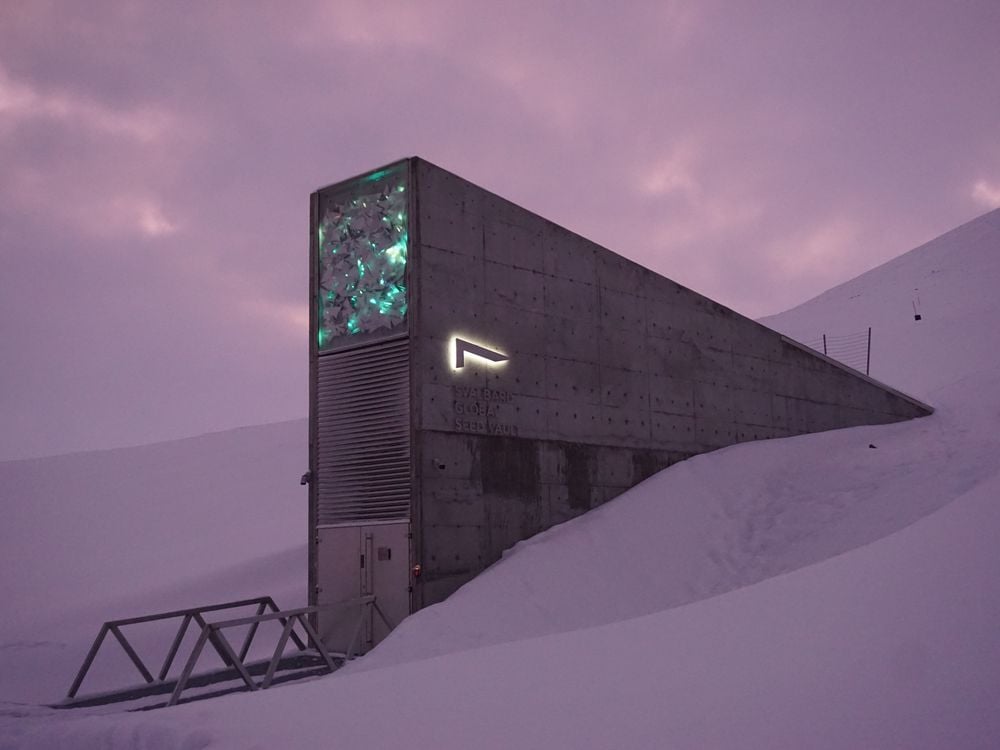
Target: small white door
338 552
387 576
355 562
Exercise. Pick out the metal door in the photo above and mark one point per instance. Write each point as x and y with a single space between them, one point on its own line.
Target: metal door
386 575
338 586
355 563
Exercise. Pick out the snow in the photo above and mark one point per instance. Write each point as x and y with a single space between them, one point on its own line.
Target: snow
144 517
809 592
89 537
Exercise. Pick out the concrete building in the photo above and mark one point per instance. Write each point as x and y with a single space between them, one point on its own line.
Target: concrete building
478 374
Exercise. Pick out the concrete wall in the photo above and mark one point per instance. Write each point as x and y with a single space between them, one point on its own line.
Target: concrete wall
615 373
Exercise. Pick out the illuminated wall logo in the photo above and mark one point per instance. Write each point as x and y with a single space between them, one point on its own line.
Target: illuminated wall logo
478 409
463 348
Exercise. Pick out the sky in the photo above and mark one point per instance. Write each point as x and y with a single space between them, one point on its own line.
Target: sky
157 161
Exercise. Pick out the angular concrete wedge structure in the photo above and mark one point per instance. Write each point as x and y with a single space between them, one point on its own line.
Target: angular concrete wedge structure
478 374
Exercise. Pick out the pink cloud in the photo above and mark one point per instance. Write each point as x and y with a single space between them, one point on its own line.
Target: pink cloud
986 194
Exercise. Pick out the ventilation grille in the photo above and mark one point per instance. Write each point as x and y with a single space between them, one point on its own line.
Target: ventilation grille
363 435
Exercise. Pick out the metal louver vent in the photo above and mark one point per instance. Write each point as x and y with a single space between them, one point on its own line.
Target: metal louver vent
363 434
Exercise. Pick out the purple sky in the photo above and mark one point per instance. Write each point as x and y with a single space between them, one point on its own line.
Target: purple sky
157 160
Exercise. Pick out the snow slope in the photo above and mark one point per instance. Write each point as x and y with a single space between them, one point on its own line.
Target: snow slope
88 537
137 517
608 631
892 646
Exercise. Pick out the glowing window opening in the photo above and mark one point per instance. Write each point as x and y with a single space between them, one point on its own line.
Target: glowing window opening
363 238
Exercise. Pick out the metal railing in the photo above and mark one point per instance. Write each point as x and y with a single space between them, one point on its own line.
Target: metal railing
210 633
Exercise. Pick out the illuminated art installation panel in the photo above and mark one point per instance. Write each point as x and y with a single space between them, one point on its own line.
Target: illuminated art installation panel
362 238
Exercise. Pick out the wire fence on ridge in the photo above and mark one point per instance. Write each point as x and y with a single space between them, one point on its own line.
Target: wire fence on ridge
851 349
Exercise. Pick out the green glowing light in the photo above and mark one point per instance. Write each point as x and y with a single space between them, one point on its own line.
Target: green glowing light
362 261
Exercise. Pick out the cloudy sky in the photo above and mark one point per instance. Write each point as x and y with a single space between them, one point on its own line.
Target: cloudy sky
156 160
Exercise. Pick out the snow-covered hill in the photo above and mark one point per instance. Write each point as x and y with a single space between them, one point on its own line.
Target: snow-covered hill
147 517
607 631
88 537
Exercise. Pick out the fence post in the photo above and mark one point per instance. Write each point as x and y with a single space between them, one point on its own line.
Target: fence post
868 359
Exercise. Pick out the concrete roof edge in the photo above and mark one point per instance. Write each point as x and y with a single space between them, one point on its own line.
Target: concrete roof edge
362 175
858 374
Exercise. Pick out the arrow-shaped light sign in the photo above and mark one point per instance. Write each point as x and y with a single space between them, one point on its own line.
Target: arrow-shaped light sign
463 347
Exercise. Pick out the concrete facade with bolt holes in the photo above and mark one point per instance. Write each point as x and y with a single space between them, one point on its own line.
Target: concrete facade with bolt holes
614 373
